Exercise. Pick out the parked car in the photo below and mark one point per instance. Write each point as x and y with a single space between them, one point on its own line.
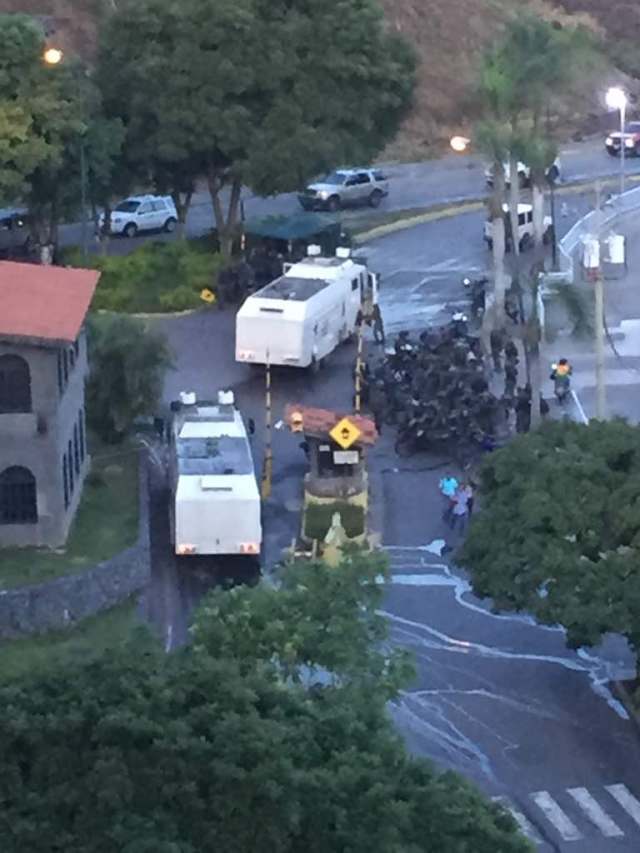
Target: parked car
345 187
142 213
524 174
15 237
525 228
631 140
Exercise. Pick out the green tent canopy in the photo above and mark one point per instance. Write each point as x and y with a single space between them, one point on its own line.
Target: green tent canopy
301 226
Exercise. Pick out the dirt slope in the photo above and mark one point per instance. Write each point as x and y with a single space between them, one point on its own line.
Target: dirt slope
448 34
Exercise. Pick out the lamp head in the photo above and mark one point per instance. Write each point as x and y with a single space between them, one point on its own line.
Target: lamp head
53 56
616 98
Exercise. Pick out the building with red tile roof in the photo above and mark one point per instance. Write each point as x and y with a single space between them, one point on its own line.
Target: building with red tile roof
44 304
43 369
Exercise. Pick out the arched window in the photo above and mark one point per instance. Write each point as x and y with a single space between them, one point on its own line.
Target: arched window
18 504
15 384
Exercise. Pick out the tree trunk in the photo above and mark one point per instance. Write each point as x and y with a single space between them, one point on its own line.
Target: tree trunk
225 225
514 201
494 317
538 211
182 209
535 372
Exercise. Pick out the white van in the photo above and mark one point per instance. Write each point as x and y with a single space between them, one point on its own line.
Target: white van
215 502
525 228
301 317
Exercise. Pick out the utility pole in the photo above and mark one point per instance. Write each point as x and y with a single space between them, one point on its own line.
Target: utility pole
267 472
601 399
83 197
358 376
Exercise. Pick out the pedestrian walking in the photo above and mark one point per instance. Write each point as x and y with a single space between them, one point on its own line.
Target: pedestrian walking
448 488
460 510
510 379
496 341
378 325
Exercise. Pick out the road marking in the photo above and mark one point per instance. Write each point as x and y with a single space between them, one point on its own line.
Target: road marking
625 798
576 400
554 814
525 827
169 642
596 814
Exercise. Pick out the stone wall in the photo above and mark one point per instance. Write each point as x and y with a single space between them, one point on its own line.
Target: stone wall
64 601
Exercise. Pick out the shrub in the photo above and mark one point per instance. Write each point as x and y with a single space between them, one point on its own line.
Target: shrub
155 277
317 519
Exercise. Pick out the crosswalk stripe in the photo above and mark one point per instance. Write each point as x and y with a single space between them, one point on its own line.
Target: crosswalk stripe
596 814
625 798
552 811
525 827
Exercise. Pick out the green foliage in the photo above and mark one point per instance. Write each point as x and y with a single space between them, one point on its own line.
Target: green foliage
211 749
46 114
558 531
155 277
317 519
318 618
127 362
265 93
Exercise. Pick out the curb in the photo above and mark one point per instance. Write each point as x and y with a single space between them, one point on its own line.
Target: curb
153 315
622 694
471 205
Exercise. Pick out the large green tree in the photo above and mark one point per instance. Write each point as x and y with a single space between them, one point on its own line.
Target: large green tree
217 747
127 362
47 113
558 530
263 93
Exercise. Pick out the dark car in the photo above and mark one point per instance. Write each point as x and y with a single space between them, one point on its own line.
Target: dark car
631 141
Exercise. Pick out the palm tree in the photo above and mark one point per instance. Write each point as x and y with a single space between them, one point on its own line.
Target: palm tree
577 309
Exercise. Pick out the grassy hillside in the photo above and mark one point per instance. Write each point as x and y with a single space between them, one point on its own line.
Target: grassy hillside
448 34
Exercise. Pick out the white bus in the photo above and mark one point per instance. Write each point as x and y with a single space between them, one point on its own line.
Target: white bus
215 503
301 317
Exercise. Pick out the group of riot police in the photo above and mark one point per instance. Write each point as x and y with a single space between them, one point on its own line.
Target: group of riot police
435 390
246 274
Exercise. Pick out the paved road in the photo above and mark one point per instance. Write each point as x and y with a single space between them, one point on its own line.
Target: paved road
497 698
413 185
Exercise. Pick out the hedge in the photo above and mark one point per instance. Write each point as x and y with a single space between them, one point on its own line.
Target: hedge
318 517
154 278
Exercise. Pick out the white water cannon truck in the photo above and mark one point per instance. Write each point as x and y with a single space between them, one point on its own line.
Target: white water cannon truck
215 502
302 316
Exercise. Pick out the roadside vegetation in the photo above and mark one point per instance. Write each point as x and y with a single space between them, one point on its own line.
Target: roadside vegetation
101 634
156 277
105 524
128 361
557 533
270 732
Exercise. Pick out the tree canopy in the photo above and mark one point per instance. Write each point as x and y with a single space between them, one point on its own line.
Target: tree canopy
265 93
46 113
558 529
127 366
220 748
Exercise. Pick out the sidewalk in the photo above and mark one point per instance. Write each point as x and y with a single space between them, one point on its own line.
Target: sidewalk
622 367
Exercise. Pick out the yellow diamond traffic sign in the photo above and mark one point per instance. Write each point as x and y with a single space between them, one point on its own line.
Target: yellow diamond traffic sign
345 433
207 295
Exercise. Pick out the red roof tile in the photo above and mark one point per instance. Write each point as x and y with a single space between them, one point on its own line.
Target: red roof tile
320 422
44 302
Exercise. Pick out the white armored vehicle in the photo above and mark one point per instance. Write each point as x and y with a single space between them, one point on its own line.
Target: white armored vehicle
215 502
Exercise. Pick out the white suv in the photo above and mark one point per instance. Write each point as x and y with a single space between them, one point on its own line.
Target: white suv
142 213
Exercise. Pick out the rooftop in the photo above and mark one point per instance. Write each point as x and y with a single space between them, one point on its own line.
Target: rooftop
44 303
293 288
320 422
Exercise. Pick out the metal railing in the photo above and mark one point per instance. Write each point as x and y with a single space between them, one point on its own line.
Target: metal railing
612 209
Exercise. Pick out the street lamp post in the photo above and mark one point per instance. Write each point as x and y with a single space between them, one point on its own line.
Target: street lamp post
616 99
54 56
